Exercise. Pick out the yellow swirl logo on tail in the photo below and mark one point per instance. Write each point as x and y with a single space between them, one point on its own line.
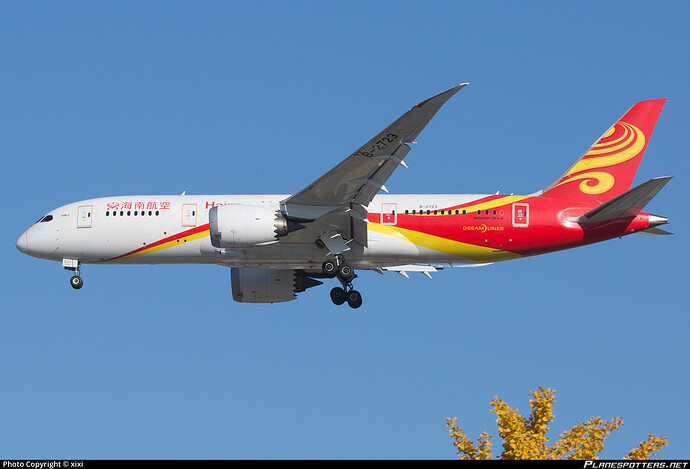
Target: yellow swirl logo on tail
621 143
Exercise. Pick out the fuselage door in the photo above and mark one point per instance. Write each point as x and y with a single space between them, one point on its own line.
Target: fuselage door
388 214
84 215
521 214
189 215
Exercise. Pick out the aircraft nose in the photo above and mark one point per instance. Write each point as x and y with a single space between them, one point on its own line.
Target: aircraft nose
23 243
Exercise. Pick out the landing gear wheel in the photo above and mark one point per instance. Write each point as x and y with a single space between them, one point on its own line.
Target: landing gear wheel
329 268
76 282
346 272
338 296
354 299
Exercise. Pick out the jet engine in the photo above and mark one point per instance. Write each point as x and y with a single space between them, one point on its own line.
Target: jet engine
243 225
268 285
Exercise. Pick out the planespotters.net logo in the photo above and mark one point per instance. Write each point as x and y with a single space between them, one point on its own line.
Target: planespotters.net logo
636 464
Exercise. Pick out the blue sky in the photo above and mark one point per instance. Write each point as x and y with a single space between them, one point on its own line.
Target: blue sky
110 98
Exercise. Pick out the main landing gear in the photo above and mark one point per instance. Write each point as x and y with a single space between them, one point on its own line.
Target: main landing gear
345 273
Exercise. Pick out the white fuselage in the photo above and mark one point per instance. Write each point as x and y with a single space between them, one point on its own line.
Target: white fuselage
173 229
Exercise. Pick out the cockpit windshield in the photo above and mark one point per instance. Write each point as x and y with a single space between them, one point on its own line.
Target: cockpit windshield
45 218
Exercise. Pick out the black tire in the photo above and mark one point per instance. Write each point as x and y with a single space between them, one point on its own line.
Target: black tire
354 299
345 271
329 268
76 282
338 296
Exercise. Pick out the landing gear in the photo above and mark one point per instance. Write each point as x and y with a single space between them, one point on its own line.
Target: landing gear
354 299
73 265
345 273
76 282
329 268
338 296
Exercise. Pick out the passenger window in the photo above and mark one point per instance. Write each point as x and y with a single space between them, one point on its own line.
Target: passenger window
464 212
107 213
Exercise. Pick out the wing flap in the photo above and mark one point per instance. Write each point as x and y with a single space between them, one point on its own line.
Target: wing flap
334 242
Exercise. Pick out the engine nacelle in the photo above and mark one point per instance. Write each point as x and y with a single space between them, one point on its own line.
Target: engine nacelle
268 285
241 225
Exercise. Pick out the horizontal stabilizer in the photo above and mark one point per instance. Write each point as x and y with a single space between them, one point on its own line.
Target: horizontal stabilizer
655 231
628 204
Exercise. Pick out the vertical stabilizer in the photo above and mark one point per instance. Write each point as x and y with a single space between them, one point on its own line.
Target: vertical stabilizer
608 168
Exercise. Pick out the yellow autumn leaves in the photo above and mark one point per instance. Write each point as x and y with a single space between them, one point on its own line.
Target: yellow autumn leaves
525 438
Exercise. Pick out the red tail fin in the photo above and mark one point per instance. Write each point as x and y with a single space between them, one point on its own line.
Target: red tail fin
609 167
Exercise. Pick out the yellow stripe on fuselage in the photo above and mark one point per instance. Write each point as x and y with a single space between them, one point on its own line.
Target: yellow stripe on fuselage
447 246
169 244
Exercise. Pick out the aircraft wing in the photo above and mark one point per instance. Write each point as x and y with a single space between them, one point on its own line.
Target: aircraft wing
336 202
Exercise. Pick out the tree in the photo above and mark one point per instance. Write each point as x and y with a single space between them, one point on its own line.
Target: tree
525 438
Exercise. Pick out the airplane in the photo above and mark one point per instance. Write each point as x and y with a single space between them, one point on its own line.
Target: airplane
346 220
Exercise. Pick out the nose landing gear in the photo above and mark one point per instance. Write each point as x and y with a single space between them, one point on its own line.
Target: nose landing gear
345 273
74 265
76 281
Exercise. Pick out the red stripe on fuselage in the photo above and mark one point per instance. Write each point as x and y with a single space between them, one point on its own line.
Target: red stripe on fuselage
174 237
